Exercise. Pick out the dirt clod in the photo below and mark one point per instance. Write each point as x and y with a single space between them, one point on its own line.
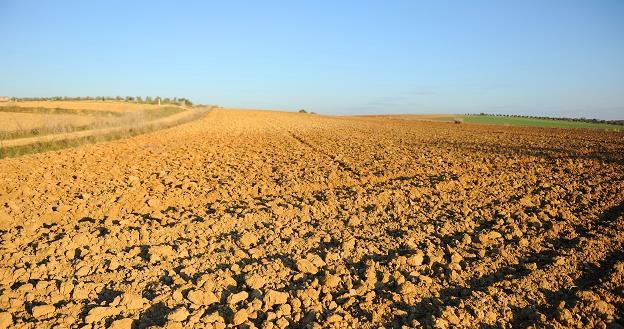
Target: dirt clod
43 311
306 266
248 239
179 315
6 320
240 317
122 324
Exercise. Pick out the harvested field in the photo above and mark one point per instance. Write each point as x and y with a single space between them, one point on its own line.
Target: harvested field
37 125
110 106
412 116
14 121
130 124
501 121
282 220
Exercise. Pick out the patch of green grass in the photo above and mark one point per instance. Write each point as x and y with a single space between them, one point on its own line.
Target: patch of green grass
548 123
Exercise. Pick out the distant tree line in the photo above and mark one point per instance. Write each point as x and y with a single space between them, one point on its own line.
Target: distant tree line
614 122
132 99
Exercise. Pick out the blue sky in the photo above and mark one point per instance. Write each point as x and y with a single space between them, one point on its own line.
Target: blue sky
558 58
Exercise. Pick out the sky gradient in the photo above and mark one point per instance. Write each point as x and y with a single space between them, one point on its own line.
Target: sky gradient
556 58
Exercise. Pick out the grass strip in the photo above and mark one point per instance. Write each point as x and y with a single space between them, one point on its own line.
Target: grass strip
123 119
532 122
11 152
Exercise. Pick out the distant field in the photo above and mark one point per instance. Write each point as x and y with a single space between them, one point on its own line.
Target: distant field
110 106
11 121
410 116
488 119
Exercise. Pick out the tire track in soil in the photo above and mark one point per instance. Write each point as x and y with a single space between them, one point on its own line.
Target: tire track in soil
342 165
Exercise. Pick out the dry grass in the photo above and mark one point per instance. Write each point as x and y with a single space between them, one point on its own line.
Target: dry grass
110 106
39 122
27 141
12 121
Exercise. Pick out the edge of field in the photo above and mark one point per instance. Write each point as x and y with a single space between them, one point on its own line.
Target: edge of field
500 121
30 145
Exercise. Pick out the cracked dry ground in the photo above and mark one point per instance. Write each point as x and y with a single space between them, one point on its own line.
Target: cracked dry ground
277 220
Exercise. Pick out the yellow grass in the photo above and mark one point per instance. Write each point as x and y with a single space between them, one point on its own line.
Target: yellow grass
13 121
86 105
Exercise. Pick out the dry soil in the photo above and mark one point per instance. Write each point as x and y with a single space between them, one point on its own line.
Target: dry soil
276 220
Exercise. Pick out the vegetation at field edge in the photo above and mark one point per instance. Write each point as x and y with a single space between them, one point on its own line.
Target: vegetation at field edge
525 121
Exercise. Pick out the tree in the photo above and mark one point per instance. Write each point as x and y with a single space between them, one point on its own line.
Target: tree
184 101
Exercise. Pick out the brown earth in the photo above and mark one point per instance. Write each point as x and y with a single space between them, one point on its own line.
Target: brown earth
276 220
412 116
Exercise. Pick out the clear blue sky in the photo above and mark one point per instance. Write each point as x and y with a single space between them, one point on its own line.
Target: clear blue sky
560 58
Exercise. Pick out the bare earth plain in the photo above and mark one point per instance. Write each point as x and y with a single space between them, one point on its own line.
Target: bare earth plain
282 220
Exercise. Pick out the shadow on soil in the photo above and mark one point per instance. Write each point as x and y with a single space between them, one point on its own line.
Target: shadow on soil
431 306
539 313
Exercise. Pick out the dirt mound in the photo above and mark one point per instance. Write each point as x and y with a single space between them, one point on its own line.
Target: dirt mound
277 220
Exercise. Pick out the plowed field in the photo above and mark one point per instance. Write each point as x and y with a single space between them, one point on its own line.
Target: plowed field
282 220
